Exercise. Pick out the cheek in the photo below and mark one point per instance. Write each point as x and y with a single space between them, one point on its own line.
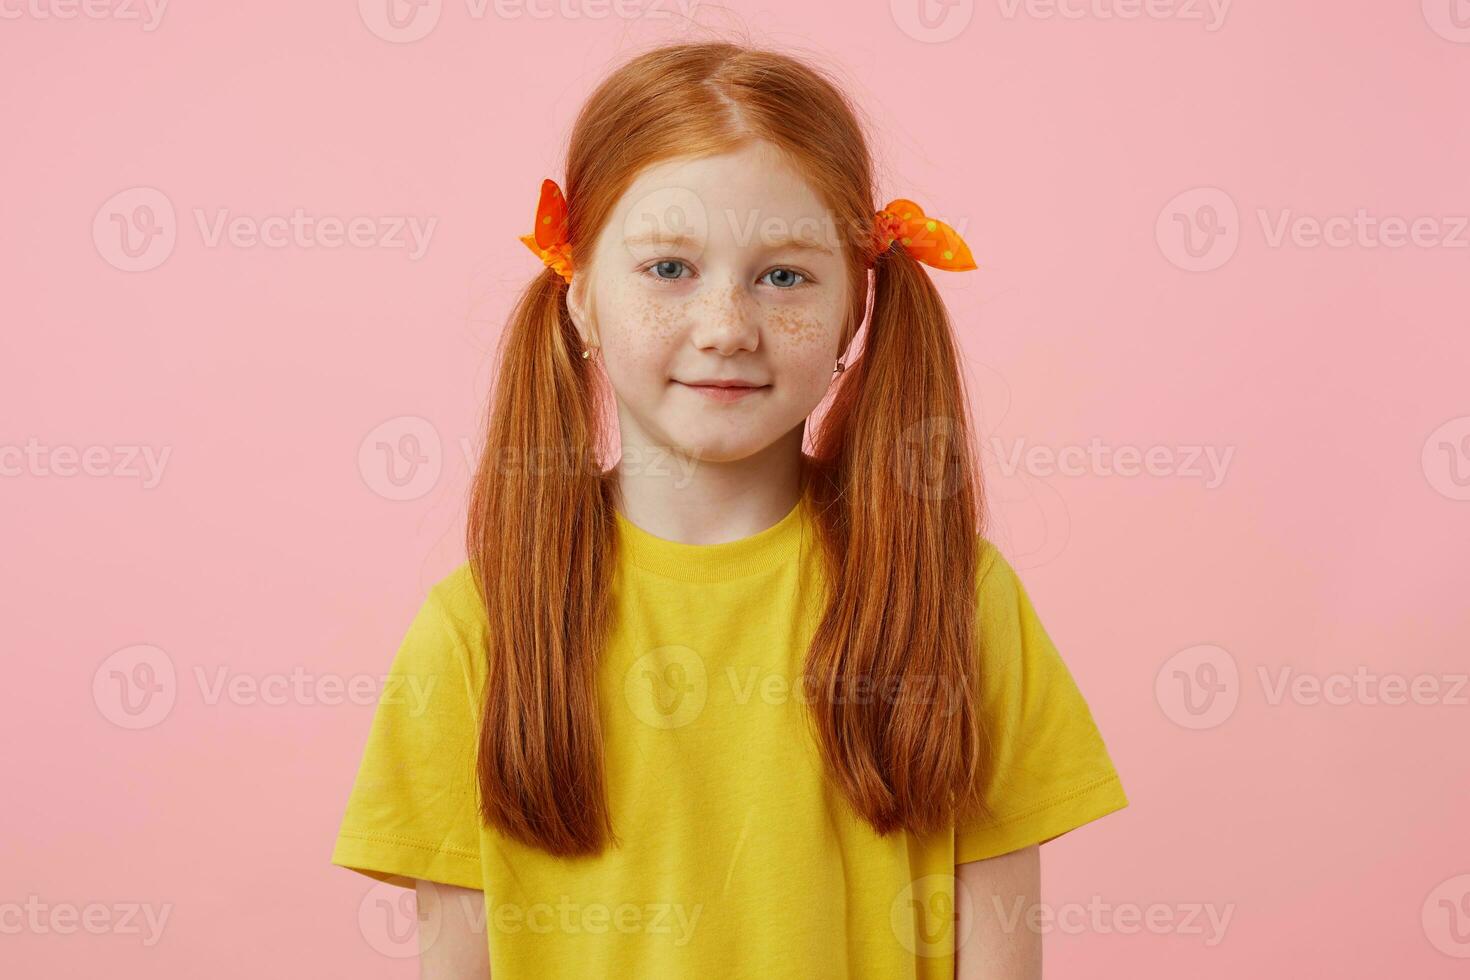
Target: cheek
639 330
805 337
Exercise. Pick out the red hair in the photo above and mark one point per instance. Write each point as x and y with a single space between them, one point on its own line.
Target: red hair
891 476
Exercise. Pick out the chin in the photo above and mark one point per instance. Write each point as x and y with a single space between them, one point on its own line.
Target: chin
711 448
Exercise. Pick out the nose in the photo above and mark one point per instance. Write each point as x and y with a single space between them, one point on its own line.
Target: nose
725 318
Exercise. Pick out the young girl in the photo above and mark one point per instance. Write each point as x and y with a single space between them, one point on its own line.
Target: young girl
754 701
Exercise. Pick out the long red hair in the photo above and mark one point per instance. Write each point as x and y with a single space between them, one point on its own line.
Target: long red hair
891 475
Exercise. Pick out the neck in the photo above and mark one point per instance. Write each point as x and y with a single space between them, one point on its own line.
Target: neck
681 498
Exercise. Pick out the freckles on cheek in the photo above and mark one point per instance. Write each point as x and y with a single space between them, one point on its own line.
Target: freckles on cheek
642 327
806 335
798 328
659 316
642 319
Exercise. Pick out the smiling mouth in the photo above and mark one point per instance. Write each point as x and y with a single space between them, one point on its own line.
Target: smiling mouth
719 384
724 391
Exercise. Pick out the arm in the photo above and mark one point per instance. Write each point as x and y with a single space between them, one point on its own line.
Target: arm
1002 892
452 940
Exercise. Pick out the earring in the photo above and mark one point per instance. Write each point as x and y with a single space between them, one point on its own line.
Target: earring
839 368
587 353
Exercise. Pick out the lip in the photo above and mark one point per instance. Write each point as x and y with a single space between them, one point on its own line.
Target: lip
723 390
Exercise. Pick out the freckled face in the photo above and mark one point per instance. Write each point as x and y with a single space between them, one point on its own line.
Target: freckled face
724 268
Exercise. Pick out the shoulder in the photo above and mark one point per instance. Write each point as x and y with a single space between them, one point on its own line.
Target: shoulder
994 577
456 601
1005 616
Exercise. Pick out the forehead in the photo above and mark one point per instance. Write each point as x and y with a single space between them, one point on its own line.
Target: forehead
734 198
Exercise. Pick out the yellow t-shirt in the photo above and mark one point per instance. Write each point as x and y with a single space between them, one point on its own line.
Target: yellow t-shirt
738 858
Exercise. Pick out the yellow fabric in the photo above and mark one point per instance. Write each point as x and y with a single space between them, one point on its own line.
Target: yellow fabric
738 859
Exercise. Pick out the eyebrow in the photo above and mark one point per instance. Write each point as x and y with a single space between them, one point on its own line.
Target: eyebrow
681 240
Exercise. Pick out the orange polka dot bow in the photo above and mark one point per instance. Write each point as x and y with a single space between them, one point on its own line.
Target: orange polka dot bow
927 239
549 241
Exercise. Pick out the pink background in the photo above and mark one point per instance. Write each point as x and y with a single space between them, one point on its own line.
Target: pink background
1334 542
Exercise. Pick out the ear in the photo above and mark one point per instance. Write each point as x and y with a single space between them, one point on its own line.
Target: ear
578 306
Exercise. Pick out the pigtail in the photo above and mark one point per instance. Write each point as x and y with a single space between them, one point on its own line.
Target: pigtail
900 512
539 539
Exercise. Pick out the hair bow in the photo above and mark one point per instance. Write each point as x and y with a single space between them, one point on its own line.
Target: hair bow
549 240
927 239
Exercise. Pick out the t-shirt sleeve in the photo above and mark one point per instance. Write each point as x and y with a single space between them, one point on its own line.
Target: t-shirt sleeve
413 809
1048 769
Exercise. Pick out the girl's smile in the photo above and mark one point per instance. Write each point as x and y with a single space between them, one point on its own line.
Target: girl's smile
723 391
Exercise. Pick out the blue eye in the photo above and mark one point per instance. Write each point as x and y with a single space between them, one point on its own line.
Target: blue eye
792 272
664 265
